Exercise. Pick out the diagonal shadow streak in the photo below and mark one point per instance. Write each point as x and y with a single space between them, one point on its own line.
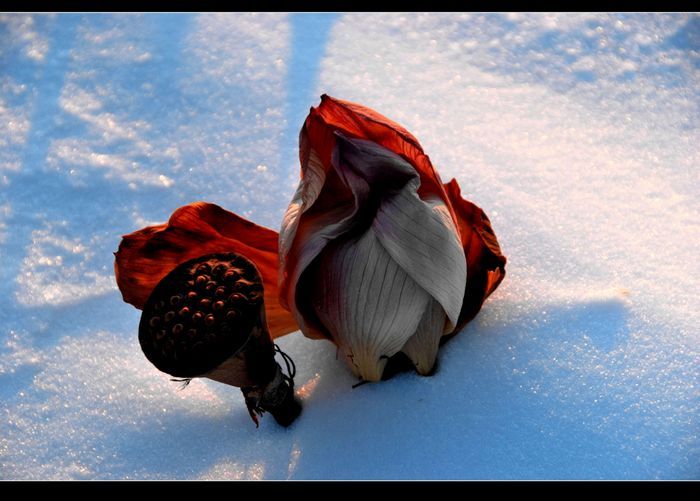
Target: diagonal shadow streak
39 195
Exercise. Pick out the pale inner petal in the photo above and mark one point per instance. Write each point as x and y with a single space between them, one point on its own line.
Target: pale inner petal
422 347
419 234
422 241
368 303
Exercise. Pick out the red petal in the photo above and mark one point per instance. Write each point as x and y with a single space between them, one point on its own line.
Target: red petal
485 262
359 121
147 255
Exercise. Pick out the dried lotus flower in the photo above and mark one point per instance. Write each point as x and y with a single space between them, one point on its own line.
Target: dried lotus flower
376 253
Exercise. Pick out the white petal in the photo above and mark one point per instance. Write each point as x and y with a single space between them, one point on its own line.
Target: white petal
422 347
418 234
368 303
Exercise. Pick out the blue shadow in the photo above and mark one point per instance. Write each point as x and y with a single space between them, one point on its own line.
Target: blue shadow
309 37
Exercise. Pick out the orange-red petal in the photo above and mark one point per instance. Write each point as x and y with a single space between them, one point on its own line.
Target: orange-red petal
147 255
361 122
485 261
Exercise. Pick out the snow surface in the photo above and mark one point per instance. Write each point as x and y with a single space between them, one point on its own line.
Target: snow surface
577 133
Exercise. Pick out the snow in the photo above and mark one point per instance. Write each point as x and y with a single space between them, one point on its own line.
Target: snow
577 134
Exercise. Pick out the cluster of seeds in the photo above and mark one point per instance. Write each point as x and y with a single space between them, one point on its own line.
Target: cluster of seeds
201 313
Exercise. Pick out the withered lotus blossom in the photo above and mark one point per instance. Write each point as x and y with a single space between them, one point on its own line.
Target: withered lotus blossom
375 253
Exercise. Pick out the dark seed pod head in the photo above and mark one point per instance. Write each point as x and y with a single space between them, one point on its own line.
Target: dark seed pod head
217 301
